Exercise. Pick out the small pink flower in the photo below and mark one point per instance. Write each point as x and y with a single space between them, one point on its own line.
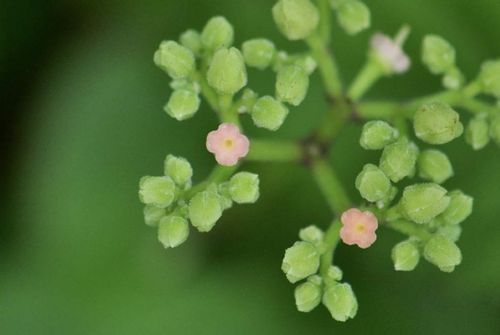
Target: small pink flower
358 228
391 52
228 144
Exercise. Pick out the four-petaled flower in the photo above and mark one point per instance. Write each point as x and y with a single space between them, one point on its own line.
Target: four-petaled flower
228 144
358 228
391 53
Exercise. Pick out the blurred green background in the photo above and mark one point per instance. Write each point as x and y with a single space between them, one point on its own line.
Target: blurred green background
82 120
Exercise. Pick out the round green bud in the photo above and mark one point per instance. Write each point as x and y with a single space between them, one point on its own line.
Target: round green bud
434 165
405 256
217 33
191 39
269 113
307 296
301 260
377 134
258 53
176 60
340 301
296 19
307 62
178 169
153 215
224 197
437 123
157 191
489 77
398 159
443 253
423 202
373 184
495 130
227 73
173 231
248 100
353 16
388 199
452 232
204 210
477 133
453 79
185 84
183 104
334 273
459 209
437 54
292 83
311 234
244 187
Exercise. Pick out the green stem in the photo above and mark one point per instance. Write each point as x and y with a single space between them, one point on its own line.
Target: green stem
331 240
334 121
274 151
227 113
219 174
409 228
365 79
330 186
473 89
325 12
326 64
207 91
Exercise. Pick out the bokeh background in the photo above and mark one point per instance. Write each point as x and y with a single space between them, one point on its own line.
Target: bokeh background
82 120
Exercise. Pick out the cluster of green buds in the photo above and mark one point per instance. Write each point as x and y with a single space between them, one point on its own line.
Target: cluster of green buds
171 203
405 190
319 284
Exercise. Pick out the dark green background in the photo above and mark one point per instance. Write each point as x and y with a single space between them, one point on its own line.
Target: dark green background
82 120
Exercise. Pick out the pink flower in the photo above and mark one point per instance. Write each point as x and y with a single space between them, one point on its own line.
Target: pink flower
391 53
358 228
228 144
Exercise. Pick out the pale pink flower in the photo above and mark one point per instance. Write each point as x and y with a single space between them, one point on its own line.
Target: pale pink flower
358 228
391 53
228 144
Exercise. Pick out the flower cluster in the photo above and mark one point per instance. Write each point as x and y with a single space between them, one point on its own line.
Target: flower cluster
404 190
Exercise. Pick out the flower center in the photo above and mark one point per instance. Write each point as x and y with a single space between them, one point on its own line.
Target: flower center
228 143
360 227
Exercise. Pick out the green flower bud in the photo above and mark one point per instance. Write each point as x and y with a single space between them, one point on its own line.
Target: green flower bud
306 62
301 260
459 209
269 113
435 166
296 19
334 273
217 33
423 202
388 199
224 196
204 210
477 133
178 169
174 59
405 256
173 231
227 72
437 123
437 54
377 134
307 296
353 16
453 79
452 232
191 39
182 105
398 159
443 253
258 53
185 84
292 83
153 215
341 302
157 191
495 130
244 187
311 234
489 77
373 184
248 100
